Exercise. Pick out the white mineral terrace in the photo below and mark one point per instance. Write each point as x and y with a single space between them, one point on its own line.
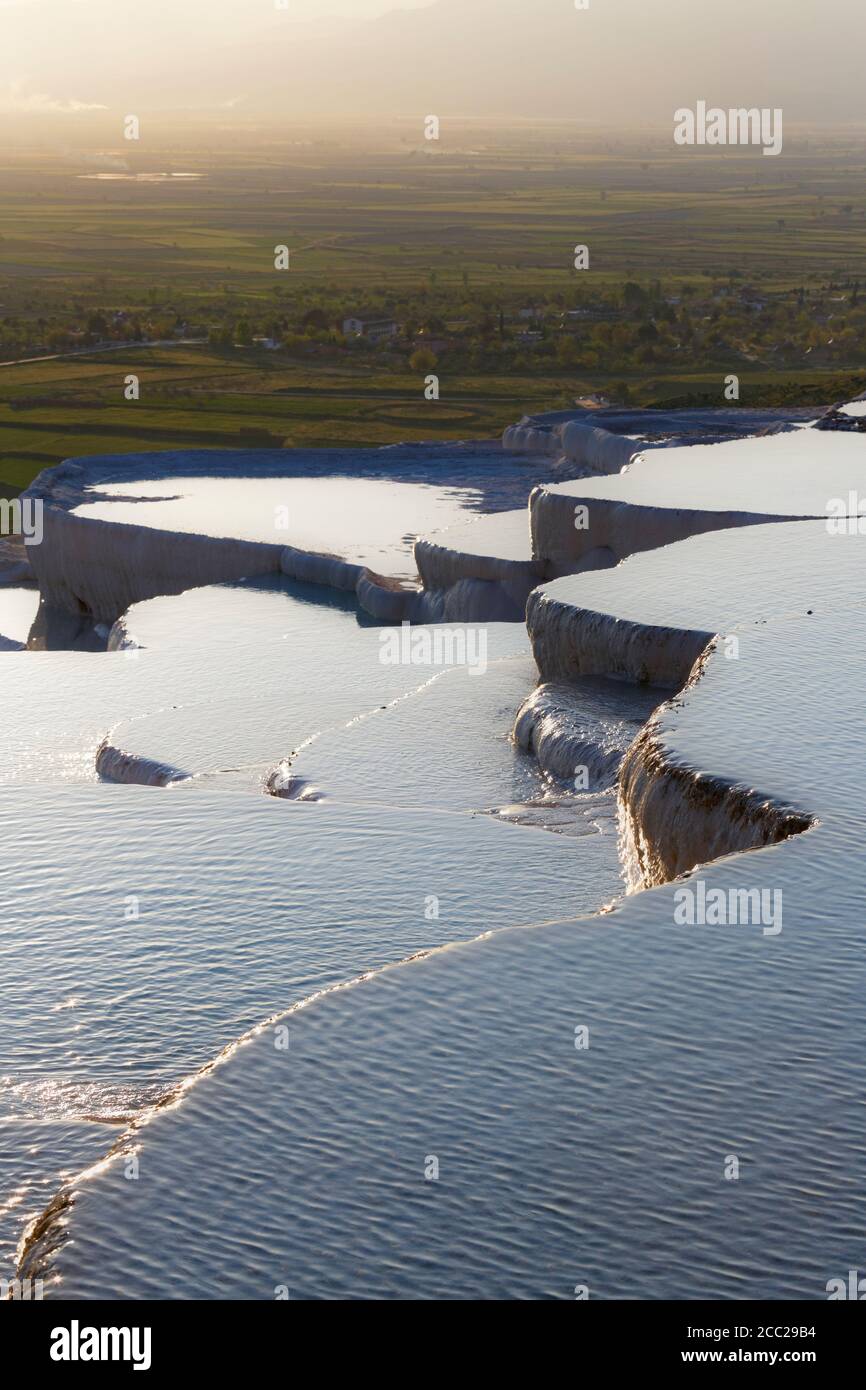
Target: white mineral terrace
166 922
317 669
398 1048
668 494
161 523
483 569
589 441
298 513
649 618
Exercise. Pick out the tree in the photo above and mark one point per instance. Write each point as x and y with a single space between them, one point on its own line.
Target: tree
315 318
423 360
633 295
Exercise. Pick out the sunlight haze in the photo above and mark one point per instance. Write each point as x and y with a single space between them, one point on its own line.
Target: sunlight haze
619 61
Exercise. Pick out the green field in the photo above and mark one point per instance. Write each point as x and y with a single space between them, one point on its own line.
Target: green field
735 264
199 397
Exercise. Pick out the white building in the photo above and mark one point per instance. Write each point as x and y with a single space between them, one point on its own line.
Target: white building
372 329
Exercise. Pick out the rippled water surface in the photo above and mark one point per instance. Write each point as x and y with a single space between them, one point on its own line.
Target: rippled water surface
146 929
346 1108
605 1166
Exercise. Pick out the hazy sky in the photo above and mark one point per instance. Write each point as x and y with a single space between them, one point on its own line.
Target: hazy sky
617 62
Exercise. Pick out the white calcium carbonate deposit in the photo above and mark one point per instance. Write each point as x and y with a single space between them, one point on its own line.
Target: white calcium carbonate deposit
438 1068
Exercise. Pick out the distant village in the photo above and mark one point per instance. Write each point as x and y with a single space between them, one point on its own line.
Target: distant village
629 327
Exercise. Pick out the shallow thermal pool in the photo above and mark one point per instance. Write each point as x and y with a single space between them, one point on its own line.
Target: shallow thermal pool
145 929
18 607
226 681
606 1167
150 932
367 521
